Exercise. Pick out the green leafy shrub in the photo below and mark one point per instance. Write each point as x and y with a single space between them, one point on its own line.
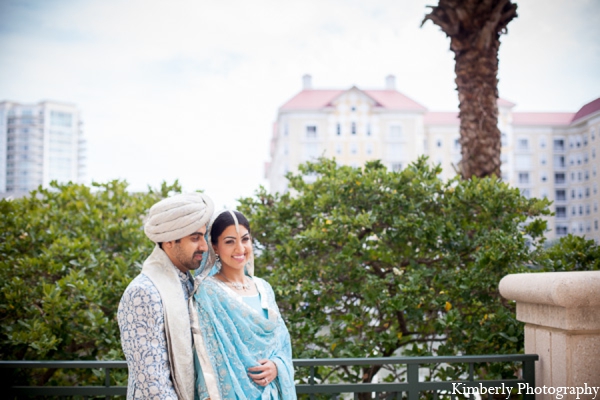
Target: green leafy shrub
372 263
67 254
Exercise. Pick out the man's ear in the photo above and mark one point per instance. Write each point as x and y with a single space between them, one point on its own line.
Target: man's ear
168 245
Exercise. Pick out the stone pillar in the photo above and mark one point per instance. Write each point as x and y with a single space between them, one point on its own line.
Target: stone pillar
561 311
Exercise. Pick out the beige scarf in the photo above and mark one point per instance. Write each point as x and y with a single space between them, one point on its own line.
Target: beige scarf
161 271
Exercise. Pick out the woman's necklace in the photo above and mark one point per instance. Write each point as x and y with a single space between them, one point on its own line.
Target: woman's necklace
235 285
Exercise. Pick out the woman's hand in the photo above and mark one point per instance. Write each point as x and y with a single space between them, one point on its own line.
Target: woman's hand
264 374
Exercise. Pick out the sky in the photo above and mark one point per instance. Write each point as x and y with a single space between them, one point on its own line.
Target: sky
188 90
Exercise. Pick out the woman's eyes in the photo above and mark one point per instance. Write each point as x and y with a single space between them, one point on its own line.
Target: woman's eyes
244 240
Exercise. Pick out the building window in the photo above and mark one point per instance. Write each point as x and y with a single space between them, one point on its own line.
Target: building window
353 148
572 193
395 151
523 177
559 162
523 144
580 210
561 212
587 192
596 224
574 210
396 132
396 167
504 139
559 178
311 151
311 132
561 230
544 177
58 118
559 145
286 130
338 130
526 193
585 140
587 209
353 128
369 149
543 160
543 142
338 149
353 108
561 195
368 129
457 144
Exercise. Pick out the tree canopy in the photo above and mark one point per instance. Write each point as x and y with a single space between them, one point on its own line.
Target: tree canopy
365 262
67 254
372 263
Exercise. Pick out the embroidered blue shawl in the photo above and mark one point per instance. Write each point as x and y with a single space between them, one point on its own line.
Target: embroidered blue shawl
232 337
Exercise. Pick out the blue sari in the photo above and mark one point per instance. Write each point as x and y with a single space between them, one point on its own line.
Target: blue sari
232 337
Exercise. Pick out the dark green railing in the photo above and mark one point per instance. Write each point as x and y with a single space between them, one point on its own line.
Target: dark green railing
411 389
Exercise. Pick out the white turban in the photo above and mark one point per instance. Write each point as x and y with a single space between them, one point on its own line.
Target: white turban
178 216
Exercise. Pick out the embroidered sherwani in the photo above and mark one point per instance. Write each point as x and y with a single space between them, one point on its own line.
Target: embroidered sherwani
141 318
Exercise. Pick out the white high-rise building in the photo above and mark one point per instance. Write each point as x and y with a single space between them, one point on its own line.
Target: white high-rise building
544 154
39 143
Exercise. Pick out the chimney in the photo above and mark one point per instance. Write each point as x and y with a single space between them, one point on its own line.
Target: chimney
307 82
390 82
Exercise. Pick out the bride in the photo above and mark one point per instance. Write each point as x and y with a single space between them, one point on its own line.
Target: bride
242 345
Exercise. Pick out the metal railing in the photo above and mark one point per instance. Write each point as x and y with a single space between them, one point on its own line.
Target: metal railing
412 388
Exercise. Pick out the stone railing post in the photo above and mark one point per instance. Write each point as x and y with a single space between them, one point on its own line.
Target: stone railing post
561 311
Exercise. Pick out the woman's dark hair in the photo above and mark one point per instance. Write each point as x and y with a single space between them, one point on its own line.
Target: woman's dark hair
224 220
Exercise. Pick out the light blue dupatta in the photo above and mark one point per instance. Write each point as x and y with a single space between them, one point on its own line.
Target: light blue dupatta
230 337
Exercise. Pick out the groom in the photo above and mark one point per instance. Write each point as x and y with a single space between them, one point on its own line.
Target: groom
153 313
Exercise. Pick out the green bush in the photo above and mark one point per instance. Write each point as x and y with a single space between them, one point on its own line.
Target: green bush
67 254
365 262
372 263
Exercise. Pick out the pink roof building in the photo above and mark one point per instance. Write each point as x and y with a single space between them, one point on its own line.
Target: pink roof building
545 154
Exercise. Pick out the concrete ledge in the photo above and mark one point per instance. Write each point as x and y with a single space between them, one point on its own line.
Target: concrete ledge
562 289
561 311
575 320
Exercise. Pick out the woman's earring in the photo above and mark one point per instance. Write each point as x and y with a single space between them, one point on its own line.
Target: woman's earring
218 262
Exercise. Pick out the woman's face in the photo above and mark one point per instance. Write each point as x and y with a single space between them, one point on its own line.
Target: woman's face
234 248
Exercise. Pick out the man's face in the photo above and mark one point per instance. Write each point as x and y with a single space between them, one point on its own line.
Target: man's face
186 254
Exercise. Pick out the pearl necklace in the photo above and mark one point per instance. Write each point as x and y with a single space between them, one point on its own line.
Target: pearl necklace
235 285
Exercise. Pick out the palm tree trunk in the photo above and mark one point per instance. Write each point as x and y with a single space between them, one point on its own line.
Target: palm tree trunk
474 28
476 81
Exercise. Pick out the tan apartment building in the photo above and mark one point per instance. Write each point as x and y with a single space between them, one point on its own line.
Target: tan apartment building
553 155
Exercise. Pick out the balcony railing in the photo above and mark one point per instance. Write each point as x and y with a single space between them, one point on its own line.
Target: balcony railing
412 388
